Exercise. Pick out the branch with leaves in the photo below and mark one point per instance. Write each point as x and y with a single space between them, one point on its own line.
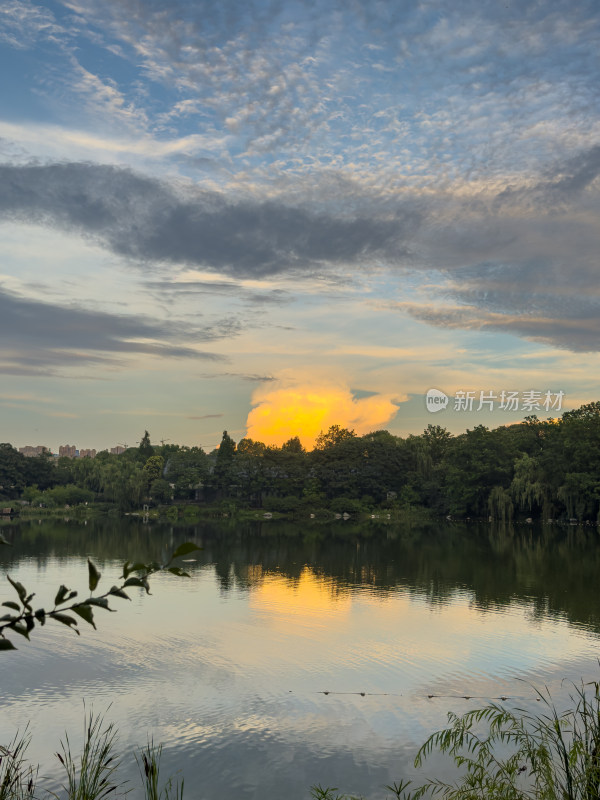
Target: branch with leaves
22 618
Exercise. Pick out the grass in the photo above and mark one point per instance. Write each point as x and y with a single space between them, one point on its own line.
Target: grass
91 775
499 754
149 764
17 777
514 755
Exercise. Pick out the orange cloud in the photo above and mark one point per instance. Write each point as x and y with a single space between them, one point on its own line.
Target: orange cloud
304 409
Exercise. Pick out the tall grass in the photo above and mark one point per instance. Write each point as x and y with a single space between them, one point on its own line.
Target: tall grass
514 755
90 776
500 754
149 765
17 777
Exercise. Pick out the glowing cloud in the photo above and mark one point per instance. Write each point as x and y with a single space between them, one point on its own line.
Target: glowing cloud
304 409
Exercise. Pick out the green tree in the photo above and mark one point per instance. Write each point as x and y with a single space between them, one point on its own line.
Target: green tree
145 449
474 464
187 468
223 470
153 469
161 491
334 436
288 468
251 471
293 445
12 471
123 482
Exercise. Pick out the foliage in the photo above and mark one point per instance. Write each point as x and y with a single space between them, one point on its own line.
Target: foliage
17 472
145 449
334 436
286 505
186 468
514 755
223 469
22 619
91 775
346 505
160 490
70 495
548 469
17 777
551 756
153 469
319 793
149 765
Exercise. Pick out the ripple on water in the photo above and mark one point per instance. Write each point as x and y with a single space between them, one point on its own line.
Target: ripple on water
233 681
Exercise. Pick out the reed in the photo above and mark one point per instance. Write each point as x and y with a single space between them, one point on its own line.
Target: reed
503 754
90 776
499 753
149 766
17 776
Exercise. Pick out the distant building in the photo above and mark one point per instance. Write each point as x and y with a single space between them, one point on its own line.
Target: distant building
67 450
30 452
116 451
87 453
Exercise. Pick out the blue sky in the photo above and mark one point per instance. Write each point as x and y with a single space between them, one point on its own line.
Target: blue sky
207 209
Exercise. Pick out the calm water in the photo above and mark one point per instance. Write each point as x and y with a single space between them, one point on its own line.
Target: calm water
229 669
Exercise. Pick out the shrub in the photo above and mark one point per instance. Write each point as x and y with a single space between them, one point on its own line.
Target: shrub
348 505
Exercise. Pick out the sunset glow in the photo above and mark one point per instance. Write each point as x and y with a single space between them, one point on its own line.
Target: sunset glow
196 199
309 597
305 410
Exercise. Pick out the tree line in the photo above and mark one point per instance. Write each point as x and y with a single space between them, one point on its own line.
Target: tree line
548 469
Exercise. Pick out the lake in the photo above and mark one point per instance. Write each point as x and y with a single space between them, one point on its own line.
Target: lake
297 654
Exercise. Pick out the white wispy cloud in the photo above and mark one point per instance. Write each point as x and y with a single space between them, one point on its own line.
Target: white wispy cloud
23 24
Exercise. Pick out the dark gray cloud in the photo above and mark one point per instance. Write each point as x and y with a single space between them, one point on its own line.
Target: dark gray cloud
227 288
575 333
510 252
562 182
150 221
580 172
206 416
253 378
523 259
40 338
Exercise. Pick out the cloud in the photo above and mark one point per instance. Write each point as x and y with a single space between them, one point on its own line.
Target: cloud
576 333
496 246
305 407
24 24
151 221
562 183
522 258
252 378
206 416
104 100
185 288
40 338
312 79
242 67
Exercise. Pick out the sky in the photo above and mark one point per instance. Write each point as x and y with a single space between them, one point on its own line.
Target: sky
271 217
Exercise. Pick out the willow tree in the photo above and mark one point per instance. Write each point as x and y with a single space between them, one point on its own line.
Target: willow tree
500 504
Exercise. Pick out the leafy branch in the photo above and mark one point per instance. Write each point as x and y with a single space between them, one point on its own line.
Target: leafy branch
22 618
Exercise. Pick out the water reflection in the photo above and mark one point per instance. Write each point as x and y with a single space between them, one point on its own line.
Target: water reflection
554 568
230 668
